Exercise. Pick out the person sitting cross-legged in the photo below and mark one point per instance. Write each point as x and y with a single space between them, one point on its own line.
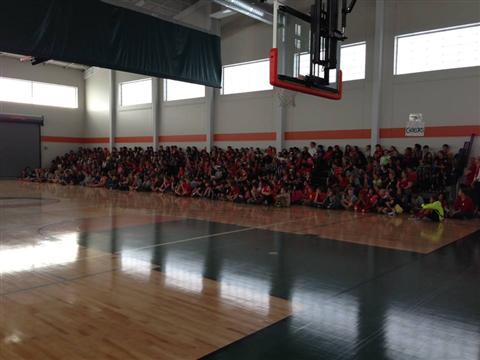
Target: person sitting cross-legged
433 210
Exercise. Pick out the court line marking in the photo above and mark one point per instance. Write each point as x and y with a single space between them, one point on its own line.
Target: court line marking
261 227
207 236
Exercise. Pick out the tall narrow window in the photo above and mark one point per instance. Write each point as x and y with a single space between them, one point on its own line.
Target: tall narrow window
441 49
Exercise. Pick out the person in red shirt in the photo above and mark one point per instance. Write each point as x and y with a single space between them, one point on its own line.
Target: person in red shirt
476 184
308 194
184 188
267 193
366 200
405 183
464 207
343 182
471 172
378 152
297 195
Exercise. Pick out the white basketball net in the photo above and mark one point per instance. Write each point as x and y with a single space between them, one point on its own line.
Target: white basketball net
286 97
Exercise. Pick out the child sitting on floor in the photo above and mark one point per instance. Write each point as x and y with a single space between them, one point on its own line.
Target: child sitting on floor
464 207
349 199
433 210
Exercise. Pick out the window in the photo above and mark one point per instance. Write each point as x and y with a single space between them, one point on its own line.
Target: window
352 62
179 90
246 77
137 92
37 93
450 48
54 95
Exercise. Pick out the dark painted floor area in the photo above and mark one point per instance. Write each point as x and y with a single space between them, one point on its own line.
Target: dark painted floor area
349 301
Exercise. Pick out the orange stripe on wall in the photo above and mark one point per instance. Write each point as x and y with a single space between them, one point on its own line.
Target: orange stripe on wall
76 140
183 138
392 133
134 139
446 131
434 131
385 133
263 136
104 140
328 134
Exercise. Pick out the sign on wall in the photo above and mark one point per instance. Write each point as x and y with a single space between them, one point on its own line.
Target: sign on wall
415 125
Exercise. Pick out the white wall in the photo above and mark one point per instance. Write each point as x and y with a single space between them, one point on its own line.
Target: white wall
97 114
59 122
244 113
183 117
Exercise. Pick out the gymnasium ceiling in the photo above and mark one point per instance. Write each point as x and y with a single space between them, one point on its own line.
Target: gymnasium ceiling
169 9
162 8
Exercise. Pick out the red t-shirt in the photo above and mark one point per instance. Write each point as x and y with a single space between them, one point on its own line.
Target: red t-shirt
412 176
297 195
473 171
186 188
404 183
321 197
266 190
466 205
344 183
338 171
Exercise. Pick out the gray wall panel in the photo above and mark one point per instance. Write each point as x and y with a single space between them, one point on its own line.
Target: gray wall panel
19 148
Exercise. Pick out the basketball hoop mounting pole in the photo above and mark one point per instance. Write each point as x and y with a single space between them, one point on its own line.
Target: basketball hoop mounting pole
275 23
345 11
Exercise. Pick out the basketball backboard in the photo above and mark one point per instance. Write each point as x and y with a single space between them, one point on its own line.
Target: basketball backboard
306 48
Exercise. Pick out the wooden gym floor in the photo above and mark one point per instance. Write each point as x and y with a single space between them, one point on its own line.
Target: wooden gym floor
94 274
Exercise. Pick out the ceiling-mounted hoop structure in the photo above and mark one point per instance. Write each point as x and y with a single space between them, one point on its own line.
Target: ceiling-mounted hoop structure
305 56
275 81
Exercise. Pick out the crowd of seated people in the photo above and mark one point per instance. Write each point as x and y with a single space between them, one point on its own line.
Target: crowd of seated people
381 180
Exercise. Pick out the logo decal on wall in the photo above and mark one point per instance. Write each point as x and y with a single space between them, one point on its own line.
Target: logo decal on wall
415 125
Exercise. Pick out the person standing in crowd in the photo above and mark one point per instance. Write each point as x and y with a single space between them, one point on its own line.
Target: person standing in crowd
313 149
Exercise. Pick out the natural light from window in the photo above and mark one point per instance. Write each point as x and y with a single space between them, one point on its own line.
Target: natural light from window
37 93
246 77
179 90
352 63
450 48
137 92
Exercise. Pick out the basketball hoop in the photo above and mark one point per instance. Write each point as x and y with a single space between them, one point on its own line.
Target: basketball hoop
286 98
